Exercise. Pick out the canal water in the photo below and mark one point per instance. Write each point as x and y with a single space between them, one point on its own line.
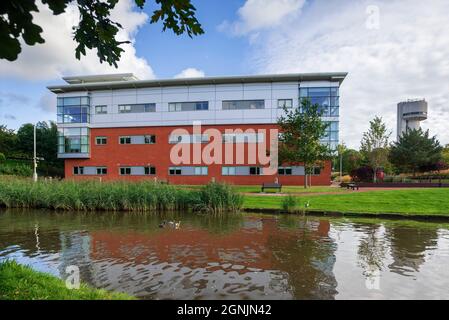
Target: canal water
236 256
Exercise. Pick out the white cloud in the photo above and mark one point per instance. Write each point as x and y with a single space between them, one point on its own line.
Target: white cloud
56 57
256 15
190 73
407 57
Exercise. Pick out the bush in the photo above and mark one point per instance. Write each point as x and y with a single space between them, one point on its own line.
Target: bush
289 203
363 174
2 157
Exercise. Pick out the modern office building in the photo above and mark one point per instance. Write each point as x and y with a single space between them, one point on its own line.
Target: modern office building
118 127
410 114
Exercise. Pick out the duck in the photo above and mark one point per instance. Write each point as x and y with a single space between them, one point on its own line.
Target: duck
177 225
307 204
162 224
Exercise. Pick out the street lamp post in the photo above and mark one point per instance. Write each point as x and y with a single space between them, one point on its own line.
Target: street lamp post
34 156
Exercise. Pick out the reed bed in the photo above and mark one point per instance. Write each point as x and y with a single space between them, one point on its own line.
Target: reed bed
117 196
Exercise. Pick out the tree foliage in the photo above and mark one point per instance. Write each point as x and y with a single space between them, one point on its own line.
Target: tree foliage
301 132
20 146
374 144
415 149
95 30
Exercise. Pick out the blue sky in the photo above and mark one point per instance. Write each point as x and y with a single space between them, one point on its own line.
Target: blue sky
393 50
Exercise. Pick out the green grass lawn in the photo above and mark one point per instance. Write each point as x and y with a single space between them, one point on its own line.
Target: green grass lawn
22 283
405 201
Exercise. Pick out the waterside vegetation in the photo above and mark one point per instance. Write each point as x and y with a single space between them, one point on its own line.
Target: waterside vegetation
117 196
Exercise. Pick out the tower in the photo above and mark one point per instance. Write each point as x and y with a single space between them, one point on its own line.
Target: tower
410 114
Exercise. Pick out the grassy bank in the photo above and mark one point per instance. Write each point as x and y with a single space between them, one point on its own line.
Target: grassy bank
22 283
116 196
405 201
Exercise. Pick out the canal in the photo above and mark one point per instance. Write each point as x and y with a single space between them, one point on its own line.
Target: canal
245 256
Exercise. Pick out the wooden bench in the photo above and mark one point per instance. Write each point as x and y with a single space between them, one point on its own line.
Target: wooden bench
352 186
271 186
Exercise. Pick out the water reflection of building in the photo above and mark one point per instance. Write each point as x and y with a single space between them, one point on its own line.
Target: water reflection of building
259 260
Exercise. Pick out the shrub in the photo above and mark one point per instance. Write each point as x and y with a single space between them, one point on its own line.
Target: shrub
363 174
289 203
2 157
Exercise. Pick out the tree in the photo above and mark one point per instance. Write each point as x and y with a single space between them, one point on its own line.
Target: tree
374 144
352 159
301 132
7 140
414 150
95 29
445 154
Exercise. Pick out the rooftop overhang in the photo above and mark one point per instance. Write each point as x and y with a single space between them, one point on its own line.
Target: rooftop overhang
77 85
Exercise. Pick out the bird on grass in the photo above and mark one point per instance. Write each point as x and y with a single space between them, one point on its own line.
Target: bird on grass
307 204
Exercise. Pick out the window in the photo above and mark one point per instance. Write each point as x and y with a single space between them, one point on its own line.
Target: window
175 139
228 171
73 140
101 140
101 109
285 171
78 170
316 171
102 170
243 104
254 171
150 170
326 97
125 171
287 103
137 108
200 171
174 171
149 139
73 110
125 140
188 106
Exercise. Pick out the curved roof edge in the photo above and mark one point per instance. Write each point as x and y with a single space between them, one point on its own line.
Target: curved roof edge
105 85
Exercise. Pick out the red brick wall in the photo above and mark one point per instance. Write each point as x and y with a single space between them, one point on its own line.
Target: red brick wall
113 155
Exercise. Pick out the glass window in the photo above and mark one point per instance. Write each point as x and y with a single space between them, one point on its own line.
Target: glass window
174 171
102 170
150 170
125 140
254 171
150 139
101 109
78 170
73 140
137 108
201 171
228 171
188 106
243 104
124 171
316 171
287 103
286 171
73 110
101 140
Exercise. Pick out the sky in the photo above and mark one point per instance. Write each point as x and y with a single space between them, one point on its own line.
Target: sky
393 50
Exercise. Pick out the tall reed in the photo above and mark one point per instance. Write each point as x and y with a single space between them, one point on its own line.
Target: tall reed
116 196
